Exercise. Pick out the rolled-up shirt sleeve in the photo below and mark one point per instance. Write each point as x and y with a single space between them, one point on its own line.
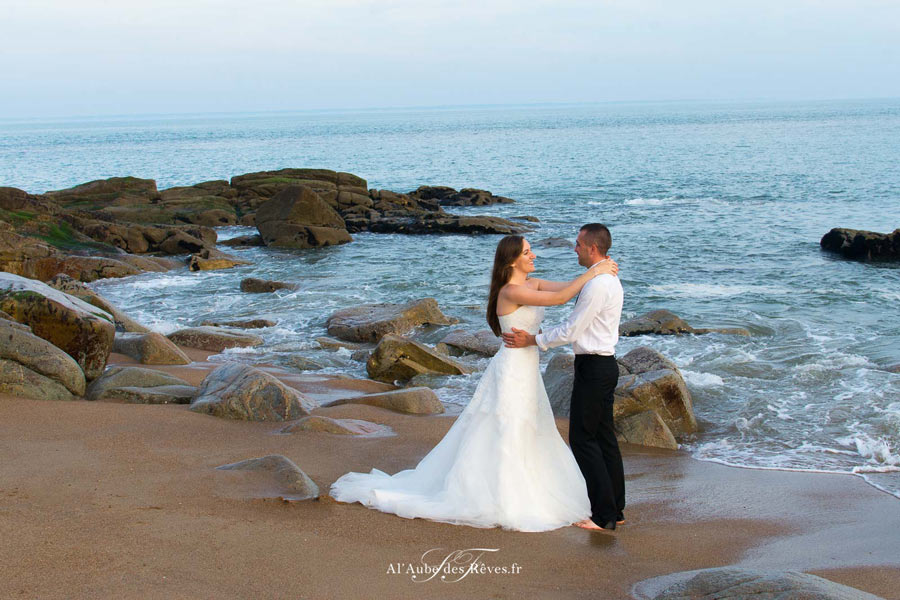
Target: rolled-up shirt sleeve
589 303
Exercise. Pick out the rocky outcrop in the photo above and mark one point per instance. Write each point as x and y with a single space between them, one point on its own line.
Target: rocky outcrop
446 196
297 217
213 339
663 322
210 259
370 322
242 392
412 401
435 223
105 193
248 324
318 423
731 583
71 286
338 190
460 341
276 477
81 330
137 385
245 241
399 359
150 349
32 367
251 285
862 245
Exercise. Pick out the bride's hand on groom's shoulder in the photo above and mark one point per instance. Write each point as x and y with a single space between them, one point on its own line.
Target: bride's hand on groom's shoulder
607 267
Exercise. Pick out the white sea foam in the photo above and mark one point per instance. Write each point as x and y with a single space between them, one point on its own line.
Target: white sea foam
694 378
165 282
878 450
247 350
710 290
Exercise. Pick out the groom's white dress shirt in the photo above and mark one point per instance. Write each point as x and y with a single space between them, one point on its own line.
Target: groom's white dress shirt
593 326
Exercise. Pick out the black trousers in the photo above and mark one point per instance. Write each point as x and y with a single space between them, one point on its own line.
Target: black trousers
592 437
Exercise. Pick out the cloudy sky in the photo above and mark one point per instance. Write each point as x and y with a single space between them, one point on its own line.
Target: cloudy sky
96 57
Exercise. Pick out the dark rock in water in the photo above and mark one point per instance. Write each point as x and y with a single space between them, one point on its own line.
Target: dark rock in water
245 241
329 343
213 339
278 477
297 217
644 359
553 242
663 322
150 348
413 401
32 367
250 324
369 322
482 342
242 392
399 359
137 385
528 218
862 245
447 196
435 223
181 242
261 286
210 259
894 368
81 330
730 583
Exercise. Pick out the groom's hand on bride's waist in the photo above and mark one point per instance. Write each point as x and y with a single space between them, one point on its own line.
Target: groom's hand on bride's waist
518 339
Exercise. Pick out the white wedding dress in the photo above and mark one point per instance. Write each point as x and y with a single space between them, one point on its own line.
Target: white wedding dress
502 463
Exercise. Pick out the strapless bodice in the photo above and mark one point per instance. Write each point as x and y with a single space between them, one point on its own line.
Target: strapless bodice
525 317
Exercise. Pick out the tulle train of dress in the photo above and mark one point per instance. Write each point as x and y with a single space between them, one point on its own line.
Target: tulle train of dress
502 463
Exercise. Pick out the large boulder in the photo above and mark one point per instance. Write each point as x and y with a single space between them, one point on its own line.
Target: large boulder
73 287
646 429
643 359
137 385
663 391
150 349
83 331
413 401
732 583
397 358
862 245
275 476
214 339
664 322
460 341
337 189
370 322
298 218
242 392
32 367
103 193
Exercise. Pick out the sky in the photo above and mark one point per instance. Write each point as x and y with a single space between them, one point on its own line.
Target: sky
98 57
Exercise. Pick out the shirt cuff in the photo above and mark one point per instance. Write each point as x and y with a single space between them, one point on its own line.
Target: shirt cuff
539 340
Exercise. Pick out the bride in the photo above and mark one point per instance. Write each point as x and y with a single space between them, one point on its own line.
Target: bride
503 462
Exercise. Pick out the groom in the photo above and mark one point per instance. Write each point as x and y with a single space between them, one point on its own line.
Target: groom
593 330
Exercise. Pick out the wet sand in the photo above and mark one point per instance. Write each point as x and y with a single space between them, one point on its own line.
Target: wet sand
103 500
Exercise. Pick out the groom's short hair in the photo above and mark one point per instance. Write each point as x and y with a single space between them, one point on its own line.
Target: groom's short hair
597 234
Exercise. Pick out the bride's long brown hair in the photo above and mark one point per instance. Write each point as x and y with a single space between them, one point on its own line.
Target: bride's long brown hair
508 250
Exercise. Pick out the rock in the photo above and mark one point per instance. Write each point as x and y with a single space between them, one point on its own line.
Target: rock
180 242
643 359
466 197
482 342
297 217
335 188
862 245
137 385
67 284
213 339
81 330
103 193
396 358
554 242
339 426
529 218
210 259
732 583
663 322
414 401
252 285
646 429
369 322
244 241
249 324
32 367
242 392
281 477
663 391
362 355
301 363
335 344
434 223
559 377
894 368
150 349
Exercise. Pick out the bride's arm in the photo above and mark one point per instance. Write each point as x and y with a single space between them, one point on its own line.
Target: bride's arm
522 294
609 266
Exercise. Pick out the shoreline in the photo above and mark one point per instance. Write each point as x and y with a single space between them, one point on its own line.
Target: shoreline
117 500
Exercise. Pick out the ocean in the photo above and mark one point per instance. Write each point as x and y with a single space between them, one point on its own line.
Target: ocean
716 211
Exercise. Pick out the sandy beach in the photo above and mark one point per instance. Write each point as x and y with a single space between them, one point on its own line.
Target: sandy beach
104 500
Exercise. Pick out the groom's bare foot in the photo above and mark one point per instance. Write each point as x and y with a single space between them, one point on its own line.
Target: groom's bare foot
590 525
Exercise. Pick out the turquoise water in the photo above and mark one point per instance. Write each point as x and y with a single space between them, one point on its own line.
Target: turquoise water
716 211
